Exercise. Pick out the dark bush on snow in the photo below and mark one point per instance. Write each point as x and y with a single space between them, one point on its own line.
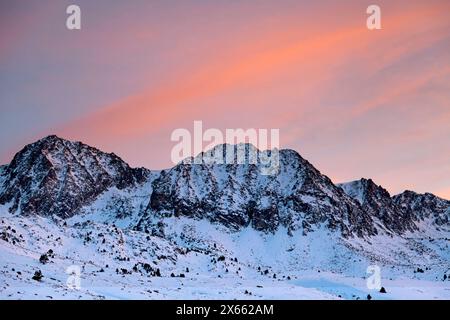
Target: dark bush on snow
43 259
38 276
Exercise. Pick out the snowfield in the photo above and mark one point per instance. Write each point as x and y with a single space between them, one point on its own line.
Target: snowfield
199 260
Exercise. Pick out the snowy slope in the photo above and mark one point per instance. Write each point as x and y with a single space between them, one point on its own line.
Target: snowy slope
210 230
118 263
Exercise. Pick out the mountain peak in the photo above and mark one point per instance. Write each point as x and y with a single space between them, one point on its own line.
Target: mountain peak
225 153
377 201
50 140
367 181
297 196
51 137
361 189
424 206
58 176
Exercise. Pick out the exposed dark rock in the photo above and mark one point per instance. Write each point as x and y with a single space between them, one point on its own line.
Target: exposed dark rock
376 201
424 206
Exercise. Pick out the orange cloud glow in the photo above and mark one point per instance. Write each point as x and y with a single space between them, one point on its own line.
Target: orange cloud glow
355 102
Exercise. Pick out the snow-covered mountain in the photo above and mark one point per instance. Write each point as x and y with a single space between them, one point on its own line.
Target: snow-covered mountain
299 197
54 176
210 230
378 203
407 211
425 207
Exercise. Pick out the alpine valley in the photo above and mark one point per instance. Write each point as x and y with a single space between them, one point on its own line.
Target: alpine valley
210 231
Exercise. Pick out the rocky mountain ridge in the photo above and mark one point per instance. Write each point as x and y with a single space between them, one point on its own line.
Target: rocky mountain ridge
58 177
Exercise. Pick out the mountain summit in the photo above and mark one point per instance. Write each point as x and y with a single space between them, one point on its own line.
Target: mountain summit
377 201
54 176
238 195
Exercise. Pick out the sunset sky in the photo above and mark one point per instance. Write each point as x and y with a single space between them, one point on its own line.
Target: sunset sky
354 102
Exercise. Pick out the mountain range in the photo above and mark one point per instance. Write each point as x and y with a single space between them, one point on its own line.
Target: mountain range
217 211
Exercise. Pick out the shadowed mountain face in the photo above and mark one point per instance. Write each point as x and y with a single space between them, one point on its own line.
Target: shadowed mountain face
54 176
403 212
423 207
379 204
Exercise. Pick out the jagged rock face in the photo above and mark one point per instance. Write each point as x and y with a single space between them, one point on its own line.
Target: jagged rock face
424 206
298 196
376 201
54 176
2 176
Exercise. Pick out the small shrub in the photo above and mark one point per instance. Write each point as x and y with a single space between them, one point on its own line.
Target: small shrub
37 276
43 259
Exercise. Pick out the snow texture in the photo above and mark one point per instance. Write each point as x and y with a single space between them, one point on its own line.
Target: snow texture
210 231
